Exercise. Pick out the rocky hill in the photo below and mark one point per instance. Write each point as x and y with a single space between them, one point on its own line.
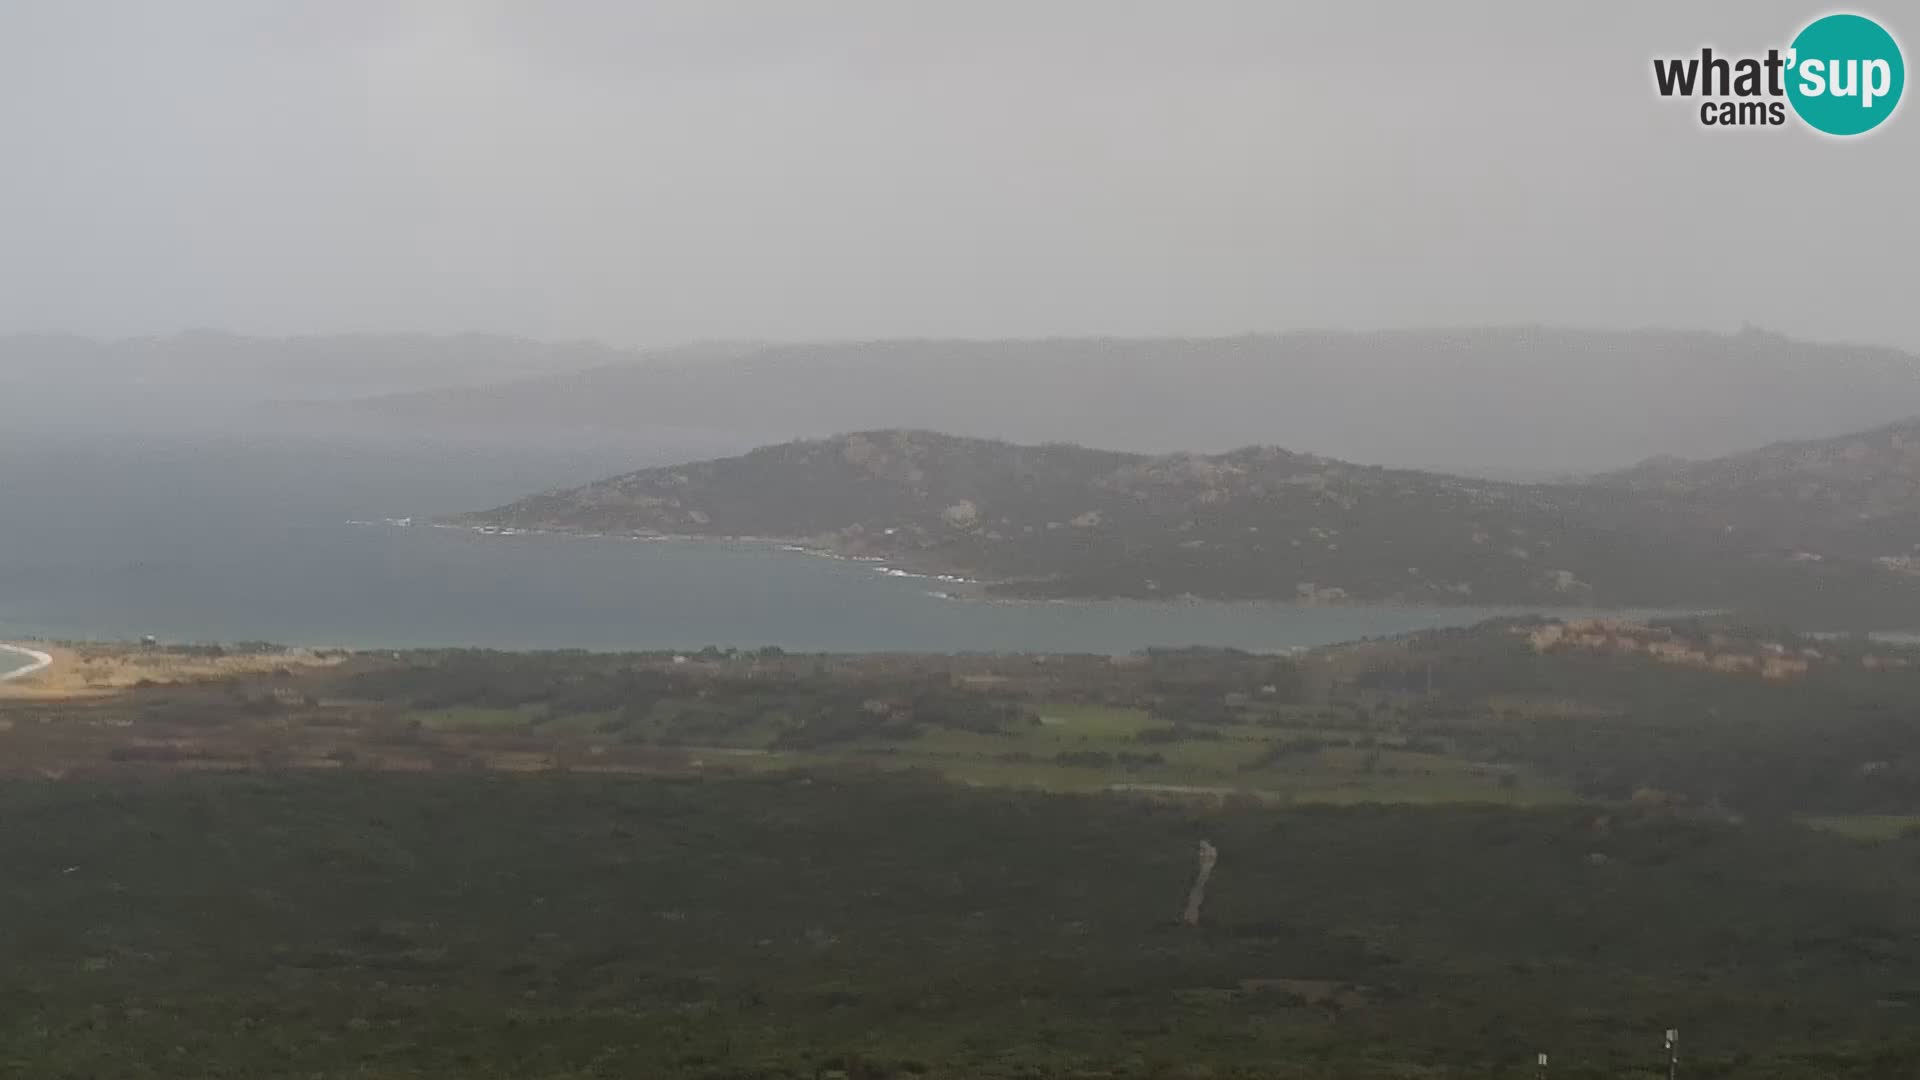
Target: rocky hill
1260 522
1856 496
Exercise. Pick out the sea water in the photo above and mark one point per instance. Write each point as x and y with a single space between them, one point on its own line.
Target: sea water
296 540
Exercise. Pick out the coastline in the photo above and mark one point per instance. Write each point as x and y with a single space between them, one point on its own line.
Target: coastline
37 661
957 586
69 670
900 566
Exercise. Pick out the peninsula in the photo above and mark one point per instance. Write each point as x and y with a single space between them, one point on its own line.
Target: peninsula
1264 523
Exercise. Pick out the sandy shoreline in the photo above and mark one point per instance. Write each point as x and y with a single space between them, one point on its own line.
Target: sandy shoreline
75 669
37 661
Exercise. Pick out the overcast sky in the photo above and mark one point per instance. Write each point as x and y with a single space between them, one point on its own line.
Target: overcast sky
646 173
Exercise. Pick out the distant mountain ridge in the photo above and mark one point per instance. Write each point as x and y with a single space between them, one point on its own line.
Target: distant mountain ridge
1061 520
325 364
206 380
1503 400
210 383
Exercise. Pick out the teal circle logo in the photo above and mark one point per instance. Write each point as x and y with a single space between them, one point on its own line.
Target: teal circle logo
1845 74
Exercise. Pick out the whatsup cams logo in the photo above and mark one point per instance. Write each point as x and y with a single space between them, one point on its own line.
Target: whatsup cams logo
1841 75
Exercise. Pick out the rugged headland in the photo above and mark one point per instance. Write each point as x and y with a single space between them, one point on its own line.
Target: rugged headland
1821 531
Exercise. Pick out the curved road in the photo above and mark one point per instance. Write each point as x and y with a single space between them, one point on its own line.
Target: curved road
36 661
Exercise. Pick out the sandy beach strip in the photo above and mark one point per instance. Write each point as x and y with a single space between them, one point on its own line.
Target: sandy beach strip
36 661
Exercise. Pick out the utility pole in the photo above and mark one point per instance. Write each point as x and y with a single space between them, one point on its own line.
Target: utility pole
1673 1053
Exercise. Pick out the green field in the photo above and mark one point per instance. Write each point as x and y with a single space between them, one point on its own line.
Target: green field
1867 826
558 928
471 719
1068 747
1439 856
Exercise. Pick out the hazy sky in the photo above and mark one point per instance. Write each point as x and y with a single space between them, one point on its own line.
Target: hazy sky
652 172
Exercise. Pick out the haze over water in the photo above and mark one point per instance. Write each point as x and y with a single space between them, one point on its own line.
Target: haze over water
205 539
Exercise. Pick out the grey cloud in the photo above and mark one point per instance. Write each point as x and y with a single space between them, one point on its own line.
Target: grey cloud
646 173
